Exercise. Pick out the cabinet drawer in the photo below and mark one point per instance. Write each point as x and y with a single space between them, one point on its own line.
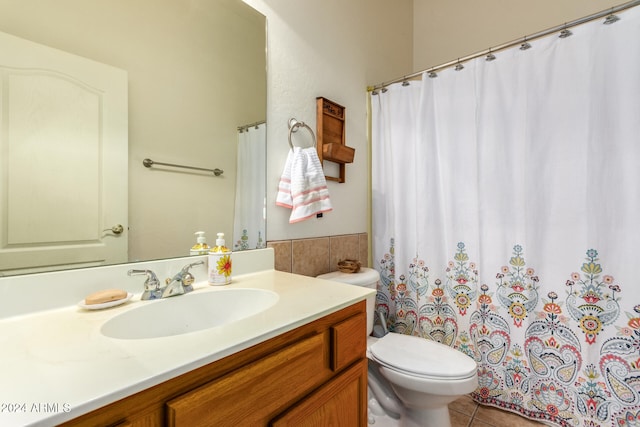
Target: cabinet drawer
254 394
348 341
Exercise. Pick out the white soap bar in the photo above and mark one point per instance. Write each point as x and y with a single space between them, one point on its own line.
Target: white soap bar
105 295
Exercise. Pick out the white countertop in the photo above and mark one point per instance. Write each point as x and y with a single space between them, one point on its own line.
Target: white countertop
55 365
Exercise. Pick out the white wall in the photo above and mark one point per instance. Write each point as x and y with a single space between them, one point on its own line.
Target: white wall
334 49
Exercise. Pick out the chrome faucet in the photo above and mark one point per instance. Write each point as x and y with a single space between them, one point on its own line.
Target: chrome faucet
181 282
152 288
176 285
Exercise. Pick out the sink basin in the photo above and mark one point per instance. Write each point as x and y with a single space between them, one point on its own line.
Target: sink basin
192 312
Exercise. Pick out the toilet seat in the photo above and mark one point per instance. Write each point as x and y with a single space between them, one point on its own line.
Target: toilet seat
421 357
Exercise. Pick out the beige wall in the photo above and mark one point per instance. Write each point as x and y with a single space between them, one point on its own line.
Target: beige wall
330 48
445 30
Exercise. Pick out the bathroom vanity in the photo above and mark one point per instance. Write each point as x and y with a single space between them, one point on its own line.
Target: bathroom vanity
313 374
301 361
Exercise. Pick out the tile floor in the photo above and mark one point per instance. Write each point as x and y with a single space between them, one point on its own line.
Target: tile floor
464 412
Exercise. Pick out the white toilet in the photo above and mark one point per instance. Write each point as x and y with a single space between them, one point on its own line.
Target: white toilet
411 379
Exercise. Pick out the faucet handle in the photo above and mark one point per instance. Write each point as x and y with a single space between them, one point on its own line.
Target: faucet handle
186 268
152 279
151 284
187 278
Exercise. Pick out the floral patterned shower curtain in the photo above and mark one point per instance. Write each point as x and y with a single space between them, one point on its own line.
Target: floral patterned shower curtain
506 215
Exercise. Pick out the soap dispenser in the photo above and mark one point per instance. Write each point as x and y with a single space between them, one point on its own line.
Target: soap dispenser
201 247
220 263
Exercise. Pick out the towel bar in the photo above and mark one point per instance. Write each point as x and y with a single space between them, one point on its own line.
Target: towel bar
148 163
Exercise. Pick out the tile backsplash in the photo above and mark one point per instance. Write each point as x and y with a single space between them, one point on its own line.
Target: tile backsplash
319 255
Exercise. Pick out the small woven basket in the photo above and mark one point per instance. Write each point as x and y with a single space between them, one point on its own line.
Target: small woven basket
349 266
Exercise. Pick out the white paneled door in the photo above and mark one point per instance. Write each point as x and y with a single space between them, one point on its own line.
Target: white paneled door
63 159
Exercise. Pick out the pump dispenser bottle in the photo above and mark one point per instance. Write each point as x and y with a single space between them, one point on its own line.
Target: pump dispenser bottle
201 247
220 263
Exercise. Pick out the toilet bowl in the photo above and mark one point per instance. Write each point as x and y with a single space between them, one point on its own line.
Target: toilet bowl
412 379
425 375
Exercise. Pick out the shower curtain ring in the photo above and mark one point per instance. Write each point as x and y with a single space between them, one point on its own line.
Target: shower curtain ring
565 33
610 19
525 45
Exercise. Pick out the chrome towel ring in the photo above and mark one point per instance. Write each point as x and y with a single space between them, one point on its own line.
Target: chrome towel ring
293 127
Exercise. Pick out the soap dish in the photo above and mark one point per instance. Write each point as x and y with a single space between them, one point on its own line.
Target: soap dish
108 304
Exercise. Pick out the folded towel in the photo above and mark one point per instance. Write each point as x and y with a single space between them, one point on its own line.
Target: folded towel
302 187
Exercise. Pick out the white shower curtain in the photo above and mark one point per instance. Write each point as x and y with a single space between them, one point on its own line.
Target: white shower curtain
506 214
250 220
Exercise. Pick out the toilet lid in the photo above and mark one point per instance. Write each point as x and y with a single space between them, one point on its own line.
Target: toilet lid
423 357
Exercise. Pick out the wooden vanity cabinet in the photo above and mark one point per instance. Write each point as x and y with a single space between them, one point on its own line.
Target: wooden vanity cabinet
315 375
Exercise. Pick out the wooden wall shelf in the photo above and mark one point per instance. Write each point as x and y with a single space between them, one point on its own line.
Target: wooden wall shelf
330 122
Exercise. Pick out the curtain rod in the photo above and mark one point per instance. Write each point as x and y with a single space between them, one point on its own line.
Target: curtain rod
512 43
250 125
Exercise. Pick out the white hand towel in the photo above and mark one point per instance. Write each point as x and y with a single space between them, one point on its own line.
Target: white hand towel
303 187
284 186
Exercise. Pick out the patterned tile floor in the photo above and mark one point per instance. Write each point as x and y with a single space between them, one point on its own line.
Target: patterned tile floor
464 412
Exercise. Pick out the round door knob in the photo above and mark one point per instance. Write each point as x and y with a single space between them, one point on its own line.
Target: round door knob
116 229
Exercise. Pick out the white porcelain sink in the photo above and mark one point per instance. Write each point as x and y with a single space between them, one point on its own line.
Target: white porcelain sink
188 313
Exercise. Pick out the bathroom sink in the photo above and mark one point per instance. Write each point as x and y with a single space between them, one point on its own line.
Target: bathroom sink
192 312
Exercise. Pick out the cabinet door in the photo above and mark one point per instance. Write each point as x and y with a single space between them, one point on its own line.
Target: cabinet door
254 394
348 341
342 402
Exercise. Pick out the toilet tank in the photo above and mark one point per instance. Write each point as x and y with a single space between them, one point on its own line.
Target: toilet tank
367 277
